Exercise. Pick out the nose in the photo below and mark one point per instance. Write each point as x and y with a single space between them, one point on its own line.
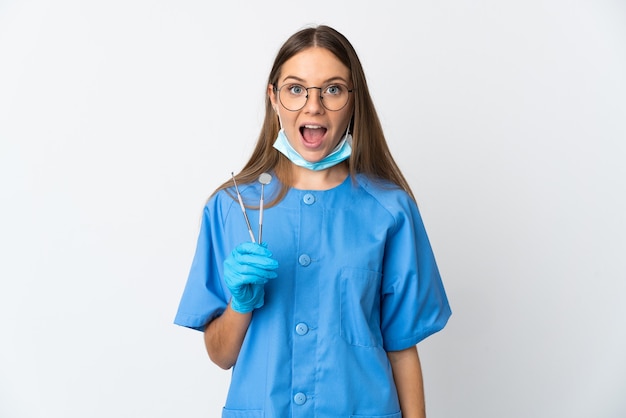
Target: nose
314 104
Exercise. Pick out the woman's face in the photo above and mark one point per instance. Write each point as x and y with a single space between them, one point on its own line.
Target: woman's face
313 130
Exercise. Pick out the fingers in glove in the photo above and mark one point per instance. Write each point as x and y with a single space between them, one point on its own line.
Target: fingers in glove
255 262
252 254
253 248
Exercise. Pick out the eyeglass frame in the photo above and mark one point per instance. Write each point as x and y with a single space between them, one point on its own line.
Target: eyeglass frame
277 91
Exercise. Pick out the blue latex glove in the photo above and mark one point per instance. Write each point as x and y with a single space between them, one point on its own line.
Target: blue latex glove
246 270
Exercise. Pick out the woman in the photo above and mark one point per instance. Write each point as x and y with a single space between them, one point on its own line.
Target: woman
321 318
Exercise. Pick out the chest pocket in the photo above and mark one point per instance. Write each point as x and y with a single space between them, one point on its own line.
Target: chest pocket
360 307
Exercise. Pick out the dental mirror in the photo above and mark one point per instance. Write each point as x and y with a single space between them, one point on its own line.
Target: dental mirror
264 179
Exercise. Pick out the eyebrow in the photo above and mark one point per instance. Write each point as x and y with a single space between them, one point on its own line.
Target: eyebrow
330 80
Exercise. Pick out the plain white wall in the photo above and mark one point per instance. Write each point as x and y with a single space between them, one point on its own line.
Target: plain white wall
118 118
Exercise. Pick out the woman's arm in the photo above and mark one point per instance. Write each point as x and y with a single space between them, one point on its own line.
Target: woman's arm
224 336
246 270
407 374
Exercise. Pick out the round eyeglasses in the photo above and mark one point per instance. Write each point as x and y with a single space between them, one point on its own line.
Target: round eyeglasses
333 96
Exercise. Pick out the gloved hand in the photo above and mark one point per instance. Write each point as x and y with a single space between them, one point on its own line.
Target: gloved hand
246 270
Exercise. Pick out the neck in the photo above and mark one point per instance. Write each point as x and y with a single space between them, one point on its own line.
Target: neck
305 179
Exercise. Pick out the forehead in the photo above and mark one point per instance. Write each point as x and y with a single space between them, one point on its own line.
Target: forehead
315 65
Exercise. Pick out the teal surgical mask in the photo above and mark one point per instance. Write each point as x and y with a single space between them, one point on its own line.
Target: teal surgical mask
341 152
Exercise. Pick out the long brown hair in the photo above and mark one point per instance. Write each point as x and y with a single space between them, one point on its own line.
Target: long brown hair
370 153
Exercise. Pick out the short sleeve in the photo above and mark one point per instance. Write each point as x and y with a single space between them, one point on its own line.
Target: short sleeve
414 301
204 297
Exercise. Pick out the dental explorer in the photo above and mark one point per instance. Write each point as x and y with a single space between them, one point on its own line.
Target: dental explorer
243 208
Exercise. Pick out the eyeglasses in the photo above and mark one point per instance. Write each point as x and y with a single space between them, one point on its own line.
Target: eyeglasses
333 97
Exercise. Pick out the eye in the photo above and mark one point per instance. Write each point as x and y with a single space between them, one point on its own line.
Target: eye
297 89
334 90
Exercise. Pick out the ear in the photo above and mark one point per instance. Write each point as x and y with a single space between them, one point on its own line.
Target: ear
272 95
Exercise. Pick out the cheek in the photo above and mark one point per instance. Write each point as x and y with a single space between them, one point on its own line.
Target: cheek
288 118
289 125
349 112
345 120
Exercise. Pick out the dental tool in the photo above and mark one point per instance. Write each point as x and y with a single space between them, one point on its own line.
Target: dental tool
243 208
264 179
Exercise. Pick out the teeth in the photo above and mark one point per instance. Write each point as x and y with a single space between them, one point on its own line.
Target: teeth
312 126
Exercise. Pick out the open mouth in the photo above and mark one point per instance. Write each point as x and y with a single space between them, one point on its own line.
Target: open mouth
312 134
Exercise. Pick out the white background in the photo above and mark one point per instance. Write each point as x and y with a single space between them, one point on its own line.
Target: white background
118 118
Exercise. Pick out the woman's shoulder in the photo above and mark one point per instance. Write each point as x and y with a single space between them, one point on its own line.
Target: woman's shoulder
396 201
385 191
221 201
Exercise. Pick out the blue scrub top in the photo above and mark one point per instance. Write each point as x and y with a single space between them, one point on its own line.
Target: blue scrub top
356 278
